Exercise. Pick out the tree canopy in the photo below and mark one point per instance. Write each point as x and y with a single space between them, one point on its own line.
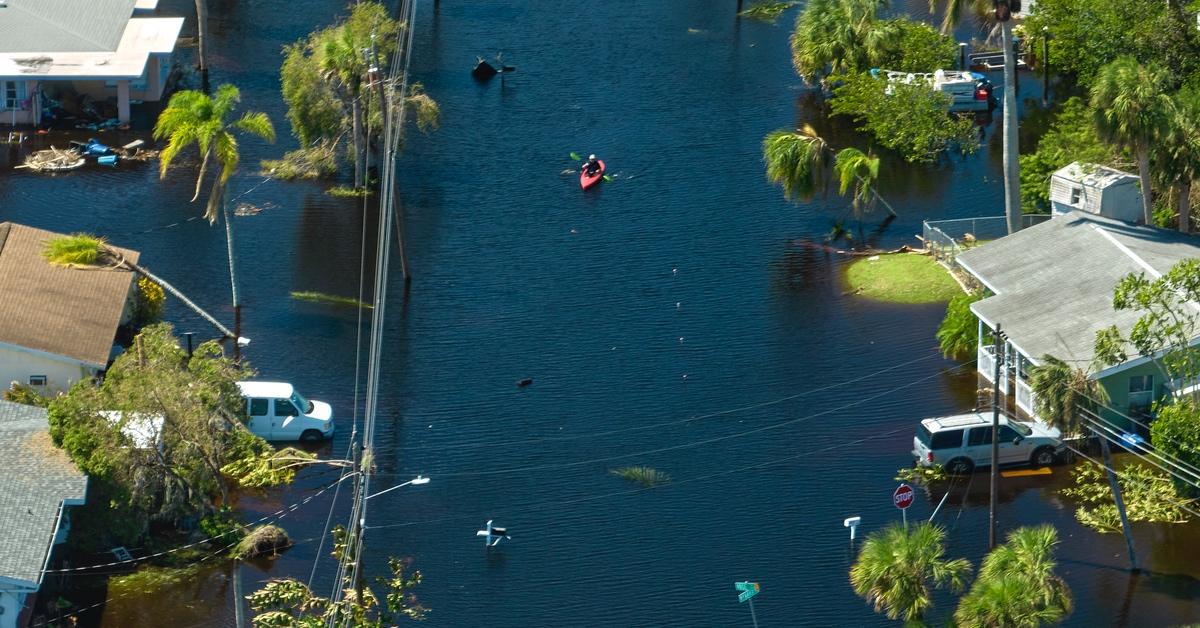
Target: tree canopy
145 474
910 119
1087 34
193 117
1017 586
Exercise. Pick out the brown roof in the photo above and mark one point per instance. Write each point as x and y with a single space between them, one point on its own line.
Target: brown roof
72 312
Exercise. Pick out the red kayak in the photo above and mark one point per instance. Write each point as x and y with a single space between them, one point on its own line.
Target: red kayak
586 181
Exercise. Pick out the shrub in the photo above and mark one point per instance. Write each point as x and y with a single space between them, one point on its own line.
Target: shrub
149 304
1176 433
1148 495
265 539
20 393
315 162
958 335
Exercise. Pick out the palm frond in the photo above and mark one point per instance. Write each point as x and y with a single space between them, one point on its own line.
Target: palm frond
80 249
797 160
256 123
224 100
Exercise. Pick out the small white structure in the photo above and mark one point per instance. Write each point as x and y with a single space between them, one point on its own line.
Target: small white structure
1096 190
57 324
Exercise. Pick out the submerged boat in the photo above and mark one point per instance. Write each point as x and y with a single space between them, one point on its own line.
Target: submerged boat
586 181
968 91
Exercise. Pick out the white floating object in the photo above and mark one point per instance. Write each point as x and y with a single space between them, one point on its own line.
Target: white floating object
873 258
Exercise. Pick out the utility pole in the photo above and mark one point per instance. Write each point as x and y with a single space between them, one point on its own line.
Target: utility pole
1045 66
997 357
1116 491
239 612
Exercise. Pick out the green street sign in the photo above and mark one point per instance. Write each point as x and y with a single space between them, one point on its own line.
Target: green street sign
746 590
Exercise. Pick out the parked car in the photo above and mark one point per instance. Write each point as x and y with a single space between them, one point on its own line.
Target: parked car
962 442
278 412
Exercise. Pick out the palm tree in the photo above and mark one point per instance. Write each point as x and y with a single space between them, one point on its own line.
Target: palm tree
82 249
343 63
192 117
802 163
1017 585
899 567
201 34
1063 394
798 160
857 172
1012 175
1177 153
839 36
1132 111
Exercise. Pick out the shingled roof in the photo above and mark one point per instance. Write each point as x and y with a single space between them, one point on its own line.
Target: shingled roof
1054 282
63 25
37 478
72 312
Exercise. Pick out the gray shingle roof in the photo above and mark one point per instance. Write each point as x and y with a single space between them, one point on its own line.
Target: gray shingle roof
1054 281
63 25
36 477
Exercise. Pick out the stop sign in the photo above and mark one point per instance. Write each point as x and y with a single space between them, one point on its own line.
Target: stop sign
903 497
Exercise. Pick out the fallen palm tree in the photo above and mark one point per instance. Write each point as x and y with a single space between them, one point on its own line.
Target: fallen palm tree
82 249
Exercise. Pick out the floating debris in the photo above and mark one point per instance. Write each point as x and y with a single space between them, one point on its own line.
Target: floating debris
53 160
331 299
250 209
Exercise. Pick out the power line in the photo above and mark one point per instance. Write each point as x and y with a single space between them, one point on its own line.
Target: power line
691 419
760 465
275 516
697 443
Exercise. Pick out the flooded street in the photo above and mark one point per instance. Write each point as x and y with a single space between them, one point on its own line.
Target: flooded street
683 316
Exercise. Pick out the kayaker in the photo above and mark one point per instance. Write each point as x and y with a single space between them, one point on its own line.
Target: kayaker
592 166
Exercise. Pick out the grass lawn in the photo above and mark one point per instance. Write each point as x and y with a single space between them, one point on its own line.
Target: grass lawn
902 278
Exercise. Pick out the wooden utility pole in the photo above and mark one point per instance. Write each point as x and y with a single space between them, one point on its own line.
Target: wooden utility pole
1116 491
997 373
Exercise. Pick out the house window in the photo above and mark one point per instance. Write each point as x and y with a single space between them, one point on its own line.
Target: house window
12 94
1141 384
37 380
1076 195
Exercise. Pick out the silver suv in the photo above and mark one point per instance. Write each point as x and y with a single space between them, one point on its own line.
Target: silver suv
964 441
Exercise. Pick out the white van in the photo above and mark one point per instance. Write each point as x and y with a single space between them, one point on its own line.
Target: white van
278 412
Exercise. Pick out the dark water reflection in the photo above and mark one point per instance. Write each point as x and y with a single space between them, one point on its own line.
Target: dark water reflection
687 287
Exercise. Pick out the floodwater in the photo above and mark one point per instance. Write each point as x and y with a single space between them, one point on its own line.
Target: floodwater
683 316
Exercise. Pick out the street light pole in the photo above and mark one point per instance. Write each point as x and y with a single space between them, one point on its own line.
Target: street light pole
360 529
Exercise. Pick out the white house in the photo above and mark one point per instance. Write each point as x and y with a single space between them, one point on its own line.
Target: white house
57 324
40 485
62 49
1096 190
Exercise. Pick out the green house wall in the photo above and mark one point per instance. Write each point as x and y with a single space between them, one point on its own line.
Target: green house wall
1117 386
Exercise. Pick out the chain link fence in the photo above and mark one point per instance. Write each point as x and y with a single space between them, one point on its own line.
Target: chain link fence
947 238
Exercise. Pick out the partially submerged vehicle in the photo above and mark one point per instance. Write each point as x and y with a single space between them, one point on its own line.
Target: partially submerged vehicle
968 91
962 442
277 412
